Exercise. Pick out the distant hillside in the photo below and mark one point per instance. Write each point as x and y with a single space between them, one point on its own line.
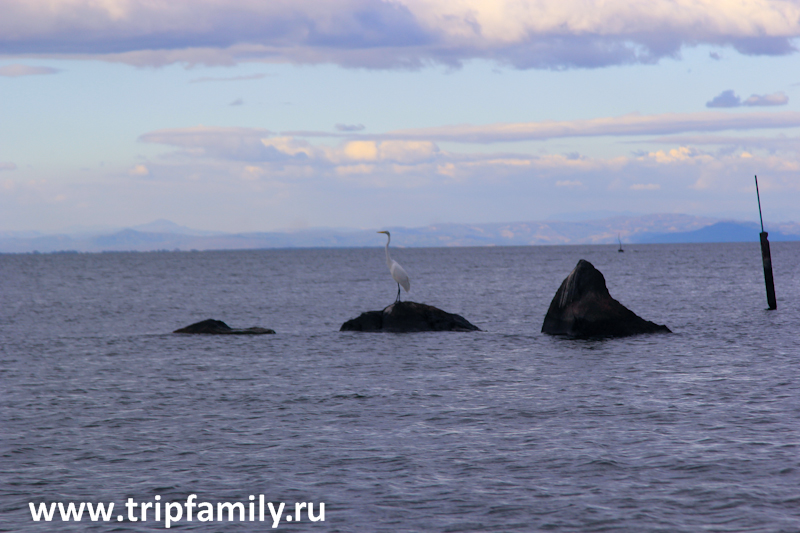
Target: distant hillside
166 226
166 235
719 232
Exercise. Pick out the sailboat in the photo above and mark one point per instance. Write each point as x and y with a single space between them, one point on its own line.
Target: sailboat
620 244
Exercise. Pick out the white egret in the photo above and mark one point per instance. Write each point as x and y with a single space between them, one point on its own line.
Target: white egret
398 274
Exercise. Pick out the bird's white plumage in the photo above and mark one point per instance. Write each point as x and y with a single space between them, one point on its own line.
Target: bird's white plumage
398 273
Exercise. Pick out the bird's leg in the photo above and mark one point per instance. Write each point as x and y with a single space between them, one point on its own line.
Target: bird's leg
398 293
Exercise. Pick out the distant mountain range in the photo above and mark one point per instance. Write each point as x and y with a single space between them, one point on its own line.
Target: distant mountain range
166 235
719 232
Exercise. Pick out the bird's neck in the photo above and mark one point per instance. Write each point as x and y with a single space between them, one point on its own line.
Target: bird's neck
388 257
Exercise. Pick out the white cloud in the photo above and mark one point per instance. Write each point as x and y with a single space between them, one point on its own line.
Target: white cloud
253 144
206 168
361 150
289 146
680 173
626 125
729 99
682 154
399 33
252 172
139 170
407 151
243 144
15 71
730 142
767 99
446 169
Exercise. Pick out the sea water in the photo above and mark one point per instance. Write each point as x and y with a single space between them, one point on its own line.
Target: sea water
505 429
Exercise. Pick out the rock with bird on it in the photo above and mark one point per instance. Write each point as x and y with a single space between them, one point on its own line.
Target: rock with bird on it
407 317
583 308
218 327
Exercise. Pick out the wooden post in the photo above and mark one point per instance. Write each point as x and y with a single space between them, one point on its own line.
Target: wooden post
766 258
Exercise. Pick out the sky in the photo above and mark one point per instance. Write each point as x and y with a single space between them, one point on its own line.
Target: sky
246 115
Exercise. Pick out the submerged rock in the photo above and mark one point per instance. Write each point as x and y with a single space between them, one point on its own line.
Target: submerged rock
583 307
405 317
218 327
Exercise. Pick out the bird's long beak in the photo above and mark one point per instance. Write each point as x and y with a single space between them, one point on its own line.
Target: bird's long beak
383 232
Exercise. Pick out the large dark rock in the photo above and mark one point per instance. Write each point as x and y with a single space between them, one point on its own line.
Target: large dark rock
218 327
404 317
582 307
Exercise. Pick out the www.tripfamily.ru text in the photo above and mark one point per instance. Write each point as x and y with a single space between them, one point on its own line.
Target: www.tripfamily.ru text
175 511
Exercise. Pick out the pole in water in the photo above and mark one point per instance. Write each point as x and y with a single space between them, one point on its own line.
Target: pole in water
766 258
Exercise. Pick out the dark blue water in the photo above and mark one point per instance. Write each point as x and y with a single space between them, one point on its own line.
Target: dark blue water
502 430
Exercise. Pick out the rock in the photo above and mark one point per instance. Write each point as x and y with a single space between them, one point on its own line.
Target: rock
582 308
404 317
218 327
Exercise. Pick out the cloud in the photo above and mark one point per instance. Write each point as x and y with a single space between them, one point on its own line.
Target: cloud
681 154
15 71
253 144
206 79
349 127
671 173
258 157
772 144
729 99
291 147
553 34
339 178
725 99
7 166
241 144
767 99
407 151
361 150
626 125
252 173
139 170
255 154
237 102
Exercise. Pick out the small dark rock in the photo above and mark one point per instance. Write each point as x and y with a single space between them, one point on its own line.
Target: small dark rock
583 308
405 317
218 327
